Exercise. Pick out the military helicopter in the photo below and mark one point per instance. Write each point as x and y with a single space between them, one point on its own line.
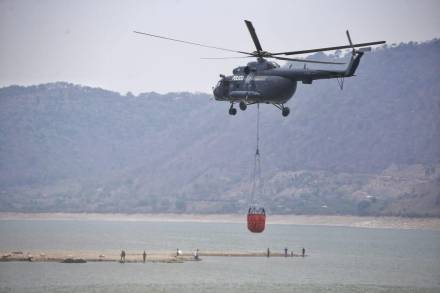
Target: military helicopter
264 81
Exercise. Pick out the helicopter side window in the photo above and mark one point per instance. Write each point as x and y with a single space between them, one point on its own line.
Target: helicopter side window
273 65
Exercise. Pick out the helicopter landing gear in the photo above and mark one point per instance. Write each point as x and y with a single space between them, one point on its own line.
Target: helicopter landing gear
285 111
232 110
243 106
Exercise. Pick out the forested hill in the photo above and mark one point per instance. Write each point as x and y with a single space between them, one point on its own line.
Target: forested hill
373 148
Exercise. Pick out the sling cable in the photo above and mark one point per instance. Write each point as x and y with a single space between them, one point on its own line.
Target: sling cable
256 217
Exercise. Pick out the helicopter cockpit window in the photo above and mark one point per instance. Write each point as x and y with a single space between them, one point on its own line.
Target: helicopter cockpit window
272 65
223 83
275 65
237 70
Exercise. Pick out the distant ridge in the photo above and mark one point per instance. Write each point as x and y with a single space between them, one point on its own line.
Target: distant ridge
372 149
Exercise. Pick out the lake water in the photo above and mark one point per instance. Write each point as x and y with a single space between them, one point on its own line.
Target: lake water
341 259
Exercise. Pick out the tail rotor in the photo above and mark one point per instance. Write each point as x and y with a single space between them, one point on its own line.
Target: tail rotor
353 50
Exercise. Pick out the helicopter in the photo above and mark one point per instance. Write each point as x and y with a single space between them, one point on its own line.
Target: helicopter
264 81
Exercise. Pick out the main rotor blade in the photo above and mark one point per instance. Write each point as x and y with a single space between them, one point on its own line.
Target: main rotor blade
253 35
191 43
305 60
329 48
235 57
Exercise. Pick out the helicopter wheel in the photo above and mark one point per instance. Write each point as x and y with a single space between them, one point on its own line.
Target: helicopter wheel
232 111
243 106
285 111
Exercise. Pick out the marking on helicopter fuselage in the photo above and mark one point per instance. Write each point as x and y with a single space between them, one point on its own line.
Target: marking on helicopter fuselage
238 77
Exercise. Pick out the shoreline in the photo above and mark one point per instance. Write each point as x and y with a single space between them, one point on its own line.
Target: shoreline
307 220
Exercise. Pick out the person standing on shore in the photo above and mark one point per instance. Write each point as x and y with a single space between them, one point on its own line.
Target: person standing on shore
268 252
303 252
144 256
285 251
196 254
123 256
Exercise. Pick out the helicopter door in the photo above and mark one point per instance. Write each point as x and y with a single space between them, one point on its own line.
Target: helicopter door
250 82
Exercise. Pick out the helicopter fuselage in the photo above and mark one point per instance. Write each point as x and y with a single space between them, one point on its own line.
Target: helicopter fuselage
266 82
258 82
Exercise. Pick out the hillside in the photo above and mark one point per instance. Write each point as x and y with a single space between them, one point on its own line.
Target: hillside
371 149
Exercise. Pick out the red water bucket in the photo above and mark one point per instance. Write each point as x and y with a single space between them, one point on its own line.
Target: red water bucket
256 220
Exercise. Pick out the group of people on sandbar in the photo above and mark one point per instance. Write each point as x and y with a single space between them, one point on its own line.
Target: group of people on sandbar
286 252
195 253
123 253
144 255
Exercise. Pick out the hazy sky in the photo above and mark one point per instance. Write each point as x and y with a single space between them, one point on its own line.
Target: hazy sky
92 43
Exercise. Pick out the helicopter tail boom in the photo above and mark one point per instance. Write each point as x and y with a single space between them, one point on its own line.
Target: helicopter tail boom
353 65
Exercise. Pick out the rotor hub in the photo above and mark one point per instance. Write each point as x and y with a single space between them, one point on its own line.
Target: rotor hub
261 54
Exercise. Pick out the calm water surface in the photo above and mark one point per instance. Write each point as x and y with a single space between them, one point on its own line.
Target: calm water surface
341 259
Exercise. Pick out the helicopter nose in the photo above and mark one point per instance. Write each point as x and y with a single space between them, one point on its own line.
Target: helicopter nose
217 91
